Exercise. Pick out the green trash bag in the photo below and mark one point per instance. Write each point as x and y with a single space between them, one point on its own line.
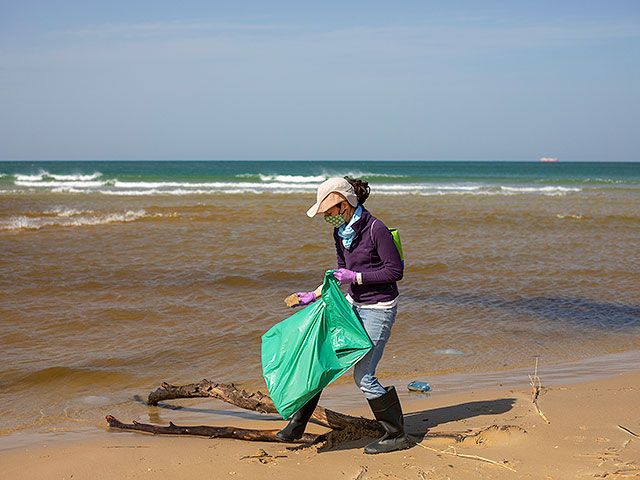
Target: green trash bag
306 352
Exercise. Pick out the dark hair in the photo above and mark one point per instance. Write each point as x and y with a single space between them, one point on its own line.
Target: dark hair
360 187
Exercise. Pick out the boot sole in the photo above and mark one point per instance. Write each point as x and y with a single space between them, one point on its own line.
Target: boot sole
404 446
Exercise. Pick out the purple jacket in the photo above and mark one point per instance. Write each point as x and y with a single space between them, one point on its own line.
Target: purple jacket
373 254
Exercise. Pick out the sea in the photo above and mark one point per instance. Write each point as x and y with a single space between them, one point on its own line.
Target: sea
118 276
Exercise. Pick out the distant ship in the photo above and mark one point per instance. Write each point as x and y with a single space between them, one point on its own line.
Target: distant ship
547 159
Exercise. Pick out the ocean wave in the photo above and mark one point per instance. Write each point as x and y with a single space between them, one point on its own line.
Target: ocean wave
545 189
43 174
178 188
283 178
421 188
263 183
593 181
69 219
361 174
288 178
603 180
29 178
75 178
181 191
292 178
455 189
212 185
71 190
66 212
571 217
60 183
64 374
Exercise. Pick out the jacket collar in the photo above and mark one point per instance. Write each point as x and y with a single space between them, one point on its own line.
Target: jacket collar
361 224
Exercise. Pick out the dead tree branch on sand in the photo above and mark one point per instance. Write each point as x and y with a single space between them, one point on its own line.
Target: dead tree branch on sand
258 402
207 431
343 427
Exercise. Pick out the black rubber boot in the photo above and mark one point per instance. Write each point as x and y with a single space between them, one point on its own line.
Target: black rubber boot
295 429
388 413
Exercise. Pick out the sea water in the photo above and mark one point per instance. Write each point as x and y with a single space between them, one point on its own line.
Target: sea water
117 276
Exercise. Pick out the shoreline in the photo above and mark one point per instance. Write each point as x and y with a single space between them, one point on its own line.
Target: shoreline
342 396
582 440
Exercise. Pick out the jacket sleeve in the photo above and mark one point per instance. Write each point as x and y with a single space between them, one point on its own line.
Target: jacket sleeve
392 269
339 250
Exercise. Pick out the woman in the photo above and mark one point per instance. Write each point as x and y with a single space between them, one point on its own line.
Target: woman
369 262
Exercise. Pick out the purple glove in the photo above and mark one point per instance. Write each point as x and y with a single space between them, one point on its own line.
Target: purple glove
345 276
305 298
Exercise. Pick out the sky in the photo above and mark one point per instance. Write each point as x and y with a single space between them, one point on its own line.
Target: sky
332 80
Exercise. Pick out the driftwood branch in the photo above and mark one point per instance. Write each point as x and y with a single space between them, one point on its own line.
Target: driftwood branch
343 427
207 431
258 402
332 438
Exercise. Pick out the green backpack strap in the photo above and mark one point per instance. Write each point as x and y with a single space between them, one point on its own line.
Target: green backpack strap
396 239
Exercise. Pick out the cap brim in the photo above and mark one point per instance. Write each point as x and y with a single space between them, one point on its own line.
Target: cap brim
332 198
313 211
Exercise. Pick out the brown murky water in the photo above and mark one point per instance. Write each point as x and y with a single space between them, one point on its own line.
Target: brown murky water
127 292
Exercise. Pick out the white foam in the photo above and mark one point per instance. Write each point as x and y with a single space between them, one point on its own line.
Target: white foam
29 178
292 178
426 188
36 223
572 217
160 185
52 184
74 178
264 177
181 191
66 212
129 216
63 178
361 174
545 189
212 186
70 190
181 188
434 189
266 183
17 223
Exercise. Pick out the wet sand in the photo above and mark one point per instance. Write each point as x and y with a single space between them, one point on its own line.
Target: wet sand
582 440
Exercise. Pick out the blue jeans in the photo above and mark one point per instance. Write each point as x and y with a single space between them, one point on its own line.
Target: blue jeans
377 323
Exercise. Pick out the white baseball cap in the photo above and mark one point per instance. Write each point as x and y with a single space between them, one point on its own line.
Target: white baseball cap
331 192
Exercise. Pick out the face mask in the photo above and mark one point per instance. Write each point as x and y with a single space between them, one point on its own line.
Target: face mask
336 220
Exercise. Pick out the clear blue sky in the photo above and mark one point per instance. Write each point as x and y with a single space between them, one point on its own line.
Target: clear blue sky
412 80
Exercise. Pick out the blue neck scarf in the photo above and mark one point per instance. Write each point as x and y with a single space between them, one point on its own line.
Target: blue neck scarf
346 232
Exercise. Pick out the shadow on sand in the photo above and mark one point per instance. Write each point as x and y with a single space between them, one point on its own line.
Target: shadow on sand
418 423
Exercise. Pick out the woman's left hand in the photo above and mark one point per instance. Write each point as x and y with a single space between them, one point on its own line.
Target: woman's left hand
345 276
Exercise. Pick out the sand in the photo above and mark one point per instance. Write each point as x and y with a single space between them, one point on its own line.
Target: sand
582 440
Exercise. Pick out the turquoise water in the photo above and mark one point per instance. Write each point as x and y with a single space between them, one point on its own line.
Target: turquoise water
426 178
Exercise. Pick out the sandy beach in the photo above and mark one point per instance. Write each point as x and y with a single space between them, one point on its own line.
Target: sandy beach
584 439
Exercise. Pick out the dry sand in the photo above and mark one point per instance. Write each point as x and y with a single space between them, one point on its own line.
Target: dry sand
583 440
